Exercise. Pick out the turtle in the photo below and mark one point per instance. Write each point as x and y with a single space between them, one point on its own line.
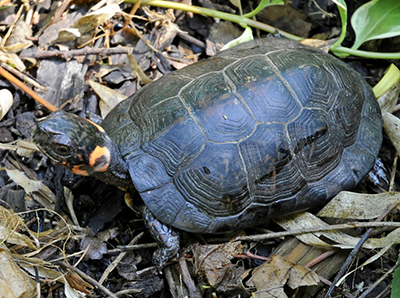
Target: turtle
267 128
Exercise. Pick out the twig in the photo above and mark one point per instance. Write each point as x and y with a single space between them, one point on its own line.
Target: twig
118 259
59 12
328 283
23 77
319 229
322 257
132 247
393 173
191 39
26 89
135 7
88 278
188 280
250 255
81 52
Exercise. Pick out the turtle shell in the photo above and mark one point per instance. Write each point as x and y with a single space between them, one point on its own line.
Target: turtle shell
267 128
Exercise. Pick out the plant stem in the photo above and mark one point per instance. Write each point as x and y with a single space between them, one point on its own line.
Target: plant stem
242 21
373 55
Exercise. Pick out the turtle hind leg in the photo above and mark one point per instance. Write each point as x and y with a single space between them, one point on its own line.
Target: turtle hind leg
165 236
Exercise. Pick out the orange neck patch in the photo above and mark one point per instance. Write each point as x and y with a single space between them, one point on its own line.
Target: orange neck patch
100 158
78 171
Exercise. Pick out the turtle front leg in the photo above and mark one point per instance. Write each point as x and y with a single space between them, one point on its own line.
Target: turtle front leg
166 238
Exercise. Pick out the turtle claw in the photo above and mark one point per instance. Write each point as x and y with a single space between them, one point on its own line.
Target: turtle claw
166 238
161 257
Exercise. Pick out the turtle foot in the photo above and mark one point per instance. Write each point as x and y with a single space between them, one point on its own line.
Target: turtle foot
165 236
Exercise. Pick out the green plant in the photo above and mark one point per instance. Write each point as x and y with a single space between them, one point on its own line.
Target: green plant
374 20
243 20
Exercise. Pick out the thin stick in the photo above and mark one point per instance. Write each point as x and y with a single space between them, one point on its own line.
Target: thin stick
28 90
87 277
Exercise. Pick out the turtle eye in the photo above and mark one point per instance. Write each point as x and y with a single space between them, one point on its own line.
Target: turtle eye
62 145
61 149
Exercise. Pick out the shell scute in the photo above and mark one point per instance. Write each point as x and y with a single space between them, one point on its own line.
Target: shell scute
165 202
221 114
218 173
265 95
177 145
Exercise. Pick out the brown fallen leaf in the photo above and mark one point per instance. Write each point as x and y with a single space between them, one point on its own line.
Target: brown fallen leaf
13 281
214 263
10 226
269 279
78 284
109 98
95 247
33 188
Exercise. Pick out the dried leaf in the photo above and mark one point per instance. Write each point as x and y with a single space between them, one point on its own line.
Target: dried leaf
10 223
44 269
13 281
78 284
51 32
138 70
25 148
70 292
13 237
11 59
391 124
68 34
307 220
323 45
95 248
214 262
109 98
20 178
18 38
301 276
108 234
358 206
33 187
88 22
269 279
303 220
127 266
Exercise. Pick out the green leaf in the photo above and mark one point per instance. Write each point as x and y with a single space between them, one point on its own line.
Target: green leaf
396 282
391 77
376 19
247 35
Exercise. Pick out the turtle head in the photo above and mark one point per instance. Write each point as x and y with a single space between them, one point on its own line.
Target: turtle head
81 146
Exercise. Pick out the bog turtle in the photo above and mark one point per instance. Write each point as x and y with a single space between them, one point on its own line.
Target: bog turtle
267 128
